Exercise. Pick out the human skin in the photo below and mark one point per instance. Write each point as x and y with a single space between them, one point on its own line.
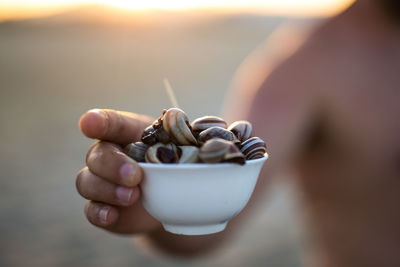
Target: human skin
330 109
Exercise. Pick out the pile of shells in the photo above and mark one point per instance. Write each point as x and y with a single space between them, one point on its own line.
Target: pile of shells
172 139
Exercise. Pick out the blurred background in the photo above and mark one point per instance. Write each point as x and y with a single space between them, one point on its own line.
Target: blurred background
61 58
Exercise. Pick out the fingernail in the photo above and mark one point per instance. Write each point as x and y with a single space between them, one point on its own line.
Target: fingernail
127 172
124 194
103 214
95 111
92 123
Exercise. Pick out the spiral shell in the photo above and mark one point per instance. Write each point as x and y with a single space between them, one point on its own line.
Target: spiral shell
136 151
219 150
253 148
148 136
242 129
203 123
176 124
234 155
155 132
162 153
188 154
217 132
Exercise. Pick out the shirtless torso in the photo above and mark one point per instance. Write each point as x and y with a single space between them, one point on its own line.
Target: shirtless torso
346 78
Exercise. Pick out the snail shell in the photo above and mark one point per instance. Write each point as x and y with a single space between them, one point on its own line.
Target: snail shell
155 132
136 151
220 150
253 148
203 123
159 132
214 150
217 132
162 153
234 155
148 136
189 154
176 124
161 135
242 129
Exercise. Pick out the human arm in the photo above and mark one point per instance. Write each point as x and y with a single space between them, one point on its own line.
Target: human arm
280 111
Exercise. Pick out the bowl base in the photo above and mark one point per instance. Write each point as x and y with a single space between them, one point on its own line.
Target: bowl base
194 229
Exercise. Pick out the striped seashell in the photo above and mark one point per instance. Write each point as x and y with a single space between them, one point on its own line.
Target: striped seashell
148 136
136 151
155 132
218 150
234 155
217 132
253 148
176 124
162 153
188 154
242 129
203 123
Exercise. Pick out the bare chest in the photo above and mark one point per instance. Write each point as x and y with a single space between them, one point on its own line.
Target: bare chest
364 123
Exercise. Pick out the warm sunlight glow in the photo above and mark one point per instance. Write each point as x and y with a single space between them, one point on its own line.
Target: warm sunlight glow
313 7
10 9
170 4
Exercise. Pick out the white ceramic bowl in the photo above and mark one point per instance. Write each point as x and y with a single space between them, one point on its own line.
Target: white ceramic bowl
198 199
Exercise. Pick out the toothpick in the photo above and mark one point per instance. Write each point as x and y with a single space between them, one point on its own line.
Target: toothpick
170 93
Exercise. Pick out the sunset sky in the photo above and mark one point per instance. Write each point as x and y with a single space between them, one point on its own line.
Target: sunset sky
14 9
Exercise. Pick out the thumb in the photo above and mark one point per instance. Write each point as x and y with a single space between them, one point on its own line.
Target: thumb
114 126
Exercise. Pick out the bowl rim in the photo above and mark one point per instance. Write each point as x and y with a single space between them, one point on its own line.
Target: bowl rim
192 166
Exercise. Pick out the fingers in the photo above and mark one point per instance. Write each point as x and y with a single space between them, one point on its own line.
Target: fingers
101 214
95 188
114 126
106 160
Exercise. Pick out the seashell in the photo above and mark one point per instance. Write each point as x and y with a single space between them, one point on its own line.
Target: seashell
155 132
148 136
136 151
220 150
242 129
188 154
217 132
234 155
213 150
253 148
161 135
176 124
203 123
162 153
